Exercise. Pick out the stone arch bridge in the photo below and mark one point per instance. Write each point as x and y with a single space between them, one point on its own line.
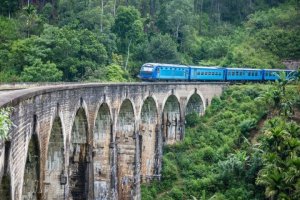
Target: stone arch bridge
93 141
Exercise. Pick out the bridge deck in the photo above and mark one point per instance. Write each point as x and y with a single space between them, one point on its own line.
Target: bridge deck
12 94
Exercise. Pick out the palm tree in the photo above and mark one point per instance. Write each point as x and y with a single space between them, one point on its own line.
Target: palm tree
283 80
280 174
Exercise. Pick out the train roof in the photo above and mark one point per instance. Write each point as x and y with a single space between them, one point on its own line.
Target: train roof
289 70
207 67
166 65
248 69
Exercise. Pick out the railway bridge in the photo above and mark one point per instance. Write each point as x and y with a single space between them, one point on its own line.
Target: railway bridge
93 141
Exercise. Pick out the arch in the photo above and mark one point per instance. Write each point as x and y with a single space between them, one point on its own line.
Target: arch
80 105
32 169
195 104
153 97
171 120
102 136
148 138
197 92
78 156
126 148
54 166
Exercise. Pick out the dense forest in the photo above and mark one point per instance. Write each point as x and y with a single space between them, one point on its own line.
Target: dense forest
108 40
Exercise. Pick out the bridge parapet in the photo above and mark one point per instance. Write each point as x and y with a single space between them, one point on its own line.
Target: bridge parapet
109 134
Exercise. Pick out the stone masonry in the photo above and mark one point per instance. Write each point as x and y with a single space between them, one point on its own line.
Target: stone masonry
93 141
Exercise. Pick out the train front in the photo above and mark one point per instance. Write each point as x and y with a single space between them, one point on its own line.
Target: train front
147 72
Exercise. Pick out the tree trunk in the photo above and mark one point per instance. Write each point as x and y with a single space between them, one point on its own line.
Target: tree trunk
115 6
177 28
152 7
201 7
101 20
219 12
128 53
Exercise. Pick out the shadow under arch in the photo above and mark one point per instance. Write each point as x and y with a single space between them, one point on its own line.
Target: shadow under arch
78 156
195 104
102 137
126 149
148 138
54 166
32 167
171 120
5 183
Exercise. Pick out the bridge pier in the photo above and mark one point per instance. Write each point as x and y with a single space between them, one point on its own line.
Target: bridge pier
94 141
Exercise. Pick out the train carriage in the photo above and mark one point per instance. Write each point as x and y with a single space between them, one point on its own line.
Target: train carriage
243 74
167 72
272 74
198 73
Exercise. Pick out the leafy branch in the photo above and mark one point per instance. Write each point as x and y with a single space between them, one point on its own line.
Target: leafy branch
5 122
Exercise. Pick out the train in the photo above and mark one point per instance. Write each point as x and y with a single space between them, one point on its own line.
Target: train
173 72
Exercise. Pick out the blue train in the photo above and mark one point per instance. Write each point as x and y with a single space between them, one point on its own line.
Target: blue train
171 72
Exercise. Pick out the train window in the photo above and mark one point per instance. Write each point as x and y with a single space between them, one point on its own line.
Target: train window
198 73
256 74
202 73
205 73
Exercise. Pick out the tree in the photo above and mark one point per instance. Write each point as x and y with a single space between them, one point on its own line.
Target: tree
129 28
8 7
30 19
115 73
179 13
40 71
163 49
8 33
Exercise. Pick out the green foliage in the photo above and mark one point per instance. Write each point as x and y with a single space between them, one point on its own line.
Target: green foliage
163 49
280 153
115 73
5 122
192 119
215 156
247 125
40 71
81 37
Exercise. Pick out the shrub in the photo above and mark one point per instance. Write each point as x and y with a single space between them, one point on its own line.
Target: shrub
247 125
192 119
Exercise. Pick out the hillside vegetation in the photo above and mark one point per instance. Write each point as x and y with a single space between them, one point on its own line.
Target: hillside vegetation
246 146
108 40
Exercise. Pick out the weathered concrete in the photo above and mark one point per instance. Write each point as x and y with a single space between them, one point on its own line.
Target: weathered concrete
94 141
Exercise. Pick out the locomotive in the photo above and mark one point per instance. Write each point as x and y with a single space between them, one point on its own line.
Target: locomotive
172 72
